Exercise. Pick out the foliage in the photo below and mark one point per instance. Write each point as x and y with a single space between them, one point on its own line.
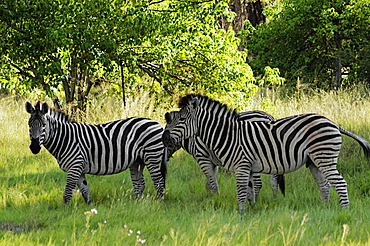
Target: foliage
32 210
308 37
55 43
74 45
271 77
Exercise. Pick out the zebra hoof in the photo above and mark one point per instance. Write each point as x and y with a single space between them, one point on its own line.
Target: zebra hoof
242 212
345 206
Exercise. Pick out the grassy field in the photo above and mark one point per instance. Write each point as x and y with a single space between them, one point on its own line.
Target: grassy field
31 190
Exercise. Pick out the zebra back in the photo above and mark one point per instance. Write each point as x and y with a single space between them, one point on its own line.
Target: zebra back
255 115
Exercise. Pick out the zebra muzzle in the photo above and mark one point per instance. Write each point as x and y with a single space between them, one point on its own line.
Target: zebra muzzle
167 140
35 146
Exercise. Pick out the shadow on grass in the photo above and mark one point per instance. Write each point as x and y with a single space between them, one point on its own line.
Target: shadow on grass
19 227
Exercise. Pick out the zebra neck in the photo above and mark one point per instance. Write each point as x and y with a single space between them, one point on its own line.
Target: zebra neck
216 132
53 136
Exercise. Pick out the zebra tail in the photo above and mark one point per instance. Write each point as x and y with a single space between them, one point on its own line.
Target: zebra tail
281 182
364 144
164 165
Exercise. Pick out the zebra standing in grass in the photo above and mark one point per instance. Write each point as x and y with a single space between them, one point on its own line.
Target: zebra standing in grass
276 147
99 149
209 163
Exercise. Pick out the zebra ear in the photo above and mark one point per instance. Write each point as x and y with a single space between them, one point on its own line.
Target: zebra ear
44 108
168 117
29 108
193 104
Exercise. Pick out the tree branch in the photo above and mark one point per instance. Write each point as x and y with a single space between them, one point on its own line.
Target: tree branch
154 76
21 71
9 24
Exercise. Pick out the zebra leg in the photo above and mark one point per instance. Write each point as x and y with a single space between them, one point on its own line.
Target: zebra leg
84 188
340 185
137 178
157 178
242 175
254 187
251 191
274 184
322 182
257 182
73 175
210 171
336 180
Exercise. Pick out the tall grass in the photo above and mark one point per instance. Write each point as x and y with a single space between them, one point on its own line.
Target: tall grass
31 188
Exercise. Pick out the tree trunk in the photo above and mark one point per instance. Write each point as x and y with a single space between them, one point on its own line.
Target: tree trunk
338 74
77 86
239 8
247 9
123 85
338 38
254 10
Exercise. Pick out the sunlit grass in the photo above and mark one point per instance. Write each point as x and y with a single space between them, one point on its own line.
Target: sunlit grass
31 189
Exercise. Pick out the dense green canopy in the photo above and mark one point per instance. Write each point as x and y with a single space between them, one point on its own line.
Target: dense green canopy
174 47
72 45
317 41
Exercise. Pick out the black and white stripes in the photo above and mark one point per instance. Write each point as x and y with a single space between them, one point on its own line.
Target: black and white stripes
99 149
209 162
275 147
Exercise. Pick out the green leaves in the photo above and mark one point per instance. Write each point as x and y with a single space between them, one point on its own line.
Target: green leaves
71 43
271 77
307 37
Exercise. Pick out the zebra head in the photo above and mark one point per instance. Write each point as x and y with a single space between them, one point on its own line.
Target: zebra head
180 124
37 124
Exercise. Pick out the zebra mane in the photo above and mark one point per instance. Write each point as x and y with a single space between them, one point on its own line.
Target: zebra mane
210 105
59 115
38 105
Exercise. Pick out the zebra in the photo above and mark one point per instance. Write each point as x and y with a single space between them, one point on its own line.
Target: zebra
209 163
103 149
273 147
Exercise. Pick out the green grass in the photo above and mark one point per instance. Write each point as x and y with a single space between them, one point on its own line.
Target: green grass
31 190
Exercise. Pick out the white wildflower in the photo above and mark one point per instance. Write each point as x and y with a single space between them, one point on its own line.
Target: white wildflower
92 211
142 241
103 223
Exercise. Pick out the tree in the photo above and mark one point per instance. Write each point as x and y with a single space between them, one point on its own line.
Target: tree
315 40
247 12
76 43
52 44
